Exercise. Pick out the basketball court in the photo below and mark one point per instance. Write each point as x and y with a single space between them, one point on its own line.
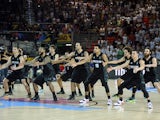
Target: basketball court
19 107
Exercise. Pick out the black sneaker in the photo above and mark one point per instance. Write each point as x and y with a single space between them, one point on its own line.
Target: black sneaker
71 97
90 99
55 98
12 86
36 97
29 95
115 95
75 93
93 96
80 94
61 92
10 93
131 99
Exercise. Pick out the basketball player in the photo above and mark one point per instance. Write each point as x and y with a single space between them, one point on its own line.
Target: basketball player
150 71
47 74
135 67
16 64
127 56
67 73
99 61
55 63
79 73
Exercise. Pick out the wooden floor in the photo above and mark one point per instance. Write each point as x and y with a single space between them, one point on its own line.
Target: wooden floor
20 108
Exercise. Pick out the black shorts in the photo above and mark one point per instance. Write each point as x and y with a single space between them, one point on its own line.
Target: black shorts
127 76
41 79
79 75
150 78
14 76
133 82
95 76
26 71
66 76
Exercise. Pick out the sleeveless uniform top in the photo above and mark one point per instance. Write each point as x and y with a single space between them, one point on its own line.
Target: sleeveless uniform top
68 69
77 60
133 65
97 62
149 70
40 59
55 66
35 69
15 61
47 69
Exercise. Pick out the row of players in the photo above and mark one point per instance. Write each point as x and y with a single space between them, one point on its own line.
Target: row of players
78 60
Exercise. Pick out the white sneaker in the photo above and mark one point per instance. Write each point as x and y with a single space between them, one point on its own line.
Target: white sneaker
150 106
109 102
118 103
84 100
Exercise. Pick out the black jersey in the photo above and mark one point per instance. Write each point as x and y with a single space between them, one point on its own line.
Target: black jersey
55 66
133 65
15 61
68 69
97 61
39 59
77 60
47 68
149 70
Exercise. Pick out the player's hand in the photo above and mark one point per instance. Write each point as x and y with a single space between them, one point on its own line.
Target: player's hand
135 70
109 69
13 68
36 64
73 65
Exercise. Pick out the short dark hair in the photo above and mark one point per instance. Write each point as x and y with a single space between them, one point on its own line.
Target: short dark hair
129 49
53 46
99 46
148 49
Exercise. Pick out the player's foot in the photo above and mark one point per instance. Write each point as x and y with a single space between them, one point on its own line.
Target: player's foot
115 95
150 106
29 95
54 97
80 93
36 97
93 95
118 103
109 102
61 92
71 97
131 99
84 101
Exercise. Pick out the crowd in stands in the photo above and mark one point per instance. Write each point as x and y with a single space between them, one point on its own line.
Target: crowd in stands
118 22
